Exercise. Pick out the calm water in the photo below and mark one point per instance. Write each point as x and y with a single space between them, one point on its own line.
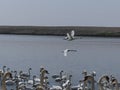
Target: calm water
19 52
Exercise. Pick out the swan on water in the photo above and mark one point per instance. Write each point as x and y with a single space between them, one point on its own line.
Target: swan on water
25 75
3 83
70 36
68 50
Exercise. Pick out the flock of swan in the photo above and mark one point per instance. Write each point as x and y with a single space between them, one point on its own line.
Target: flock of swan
19 80
25 81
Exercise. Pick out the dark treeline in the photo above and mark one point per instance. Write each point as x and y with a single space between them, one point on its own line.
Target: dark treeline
61 30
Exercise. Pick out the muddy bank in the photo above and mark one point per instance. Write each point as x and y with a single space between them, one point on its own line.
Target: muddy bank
61 30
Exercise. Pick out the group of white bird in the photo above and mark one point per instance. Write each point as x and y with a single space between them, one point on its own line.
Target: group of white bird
23 81
105 82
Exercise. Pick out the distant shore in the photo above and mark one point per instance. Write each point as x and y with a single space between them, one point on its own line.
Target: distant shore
61 30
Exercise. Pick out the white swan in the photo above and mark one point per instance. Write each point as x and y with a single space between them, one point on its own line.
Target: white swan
25 75
35 81
70 36
68 50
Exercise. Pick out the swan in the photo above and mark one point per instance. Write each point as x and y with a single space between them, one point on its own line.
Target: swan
103 82
64 80
114 83
42 79
106 82
89 79
57 77
7 74
88 82
26 75
68 50
35 81
42 76
70 36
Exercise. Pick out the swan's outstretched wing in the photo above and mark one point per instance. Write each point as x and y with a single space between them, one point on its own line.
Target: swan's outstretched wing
65 52
72 33
68 36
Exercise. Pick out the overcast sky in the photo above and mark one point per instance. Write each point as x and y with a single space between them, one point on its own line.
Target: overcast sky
60 12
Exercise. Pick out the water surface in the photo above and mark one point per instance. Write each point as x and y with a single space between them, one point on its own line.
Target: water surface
19 52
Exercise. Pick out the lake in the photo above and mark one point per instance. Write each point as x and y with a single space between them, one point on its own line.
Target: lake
19 52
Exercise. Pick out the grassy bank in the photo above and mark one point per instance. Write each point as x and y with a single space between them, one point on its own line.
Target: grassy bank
61 30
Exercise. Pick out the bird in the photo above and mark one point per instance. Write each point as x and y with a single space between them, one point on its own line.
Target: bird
68 50
70 36
3 83
25 75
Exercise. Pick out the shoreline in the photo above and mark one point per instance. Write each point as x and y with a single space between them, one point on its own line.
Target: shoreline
61 30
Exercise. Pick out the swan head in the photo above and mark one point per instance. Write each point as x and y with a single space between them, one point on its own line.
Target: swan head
46 72
41 68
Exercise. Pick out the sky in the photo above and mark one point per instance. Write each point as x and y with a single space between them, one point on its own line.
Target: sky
60 12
